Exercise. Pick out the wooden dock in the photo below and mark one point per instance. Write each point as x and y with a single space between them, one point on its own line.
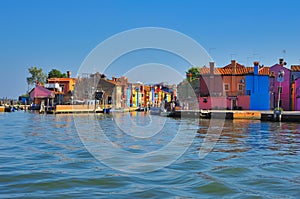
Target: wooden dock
78 109
286 116
5 109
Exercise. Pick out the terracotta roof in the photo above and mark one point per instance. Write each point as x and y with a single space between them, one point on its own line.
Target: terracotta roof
237 66
61 79
147 88
264 71
295 68
110 81
238 71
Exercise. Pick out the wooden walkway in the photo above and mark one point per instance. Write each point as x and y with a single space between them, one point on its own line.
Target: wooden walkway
286 116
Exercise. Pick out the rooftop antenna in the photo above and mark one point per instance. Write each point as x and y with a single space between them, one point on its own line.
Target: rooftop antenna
284 51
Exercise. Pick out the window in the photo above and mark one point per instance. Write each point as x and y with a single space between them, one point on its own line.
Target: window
240 87
272 74
226 87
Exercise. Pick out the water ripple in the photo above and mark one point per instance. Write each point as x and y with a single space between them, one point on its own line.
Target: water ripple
41 156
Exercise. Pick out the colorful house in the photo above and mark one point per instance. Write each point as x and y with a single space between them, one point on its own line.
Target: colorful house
295 74
297 94
115 91
137 92
62 88
129 95
281 88
257 86
225 88
40 95
147 96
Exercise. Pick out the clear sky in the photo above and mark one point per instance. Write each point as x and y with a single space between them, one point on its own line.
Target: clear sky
60 33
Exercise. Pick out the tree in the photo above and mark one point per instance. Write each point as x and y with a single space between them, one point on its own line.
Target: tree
195 73
54 73
37 75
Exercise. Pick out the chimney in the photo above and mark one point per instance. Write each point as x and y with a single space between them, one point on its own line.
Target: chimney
256 64
281 61
212 67
233 64
68 74
189 77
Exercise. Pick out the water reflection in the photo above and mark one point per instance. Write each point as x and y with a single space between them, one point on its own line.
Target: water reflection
42 156
244 135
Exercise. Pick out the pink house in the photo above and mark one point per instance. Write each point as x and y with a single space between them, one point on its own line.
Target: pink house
284 86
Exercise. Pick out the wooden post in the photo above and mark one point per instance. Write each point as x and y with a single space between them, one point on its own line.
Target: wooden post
48 101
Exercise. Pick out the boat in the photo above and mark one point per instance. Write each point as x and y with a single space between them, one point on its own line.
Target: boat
165 110
166 113
155 110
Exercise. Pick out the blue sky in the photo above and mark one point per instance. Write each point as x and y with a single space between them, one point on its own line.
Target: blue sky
60 34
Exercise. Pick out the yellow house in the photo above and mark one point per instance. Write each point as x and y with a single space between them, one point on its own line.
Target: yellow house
137 95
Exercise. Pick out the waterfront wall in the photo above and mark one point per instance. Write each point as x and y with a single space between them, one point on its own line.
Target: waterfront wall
222 103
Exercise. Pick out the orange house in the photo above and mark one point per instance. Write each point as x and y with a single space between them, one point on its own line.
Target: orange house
62 87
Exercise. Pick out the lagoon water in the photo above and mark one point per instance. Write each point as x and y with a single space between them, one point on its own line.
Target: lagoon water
44 156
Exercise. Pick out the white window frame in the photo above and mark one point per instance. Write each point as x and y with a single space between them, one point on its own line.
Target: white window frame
241 87
228 87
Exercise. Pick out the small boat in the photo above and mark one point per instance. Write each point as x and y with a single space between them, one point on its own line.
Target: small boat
165 110
140 109
166 113
155 110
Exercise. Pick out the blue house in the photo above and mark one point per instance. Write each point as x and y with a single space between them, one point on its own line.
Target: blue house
129 96
257 86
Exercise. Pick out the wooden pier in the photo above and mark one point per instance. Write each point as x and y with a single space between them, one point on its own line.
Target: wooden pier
78 109
286 116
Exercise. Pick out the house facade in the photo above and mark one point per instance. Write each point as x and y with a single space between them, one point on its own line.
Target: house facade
296 96
223 88
281 88
295 72
40 95
62 88
115 91
257 87
295 75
